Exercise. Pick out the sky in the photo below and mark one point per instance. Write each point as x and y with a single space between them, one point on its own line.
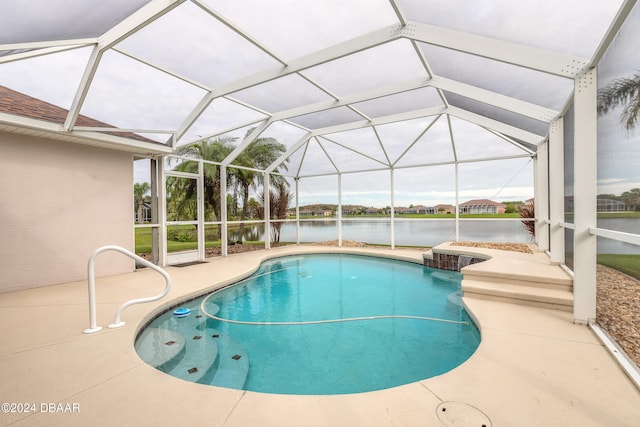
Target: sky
191 43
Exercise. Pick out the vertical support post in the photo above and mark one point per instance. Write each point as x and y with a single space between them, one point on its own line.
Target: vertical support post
541 196
223 211
457 205
585 191
200 210
339 213
162 214
267 210
155 207
393 208
556 191
297 180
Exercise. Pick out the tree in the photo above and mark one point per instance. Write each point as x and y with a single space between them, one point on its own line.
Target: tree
279 200
527 210
632 198
259 154
622 92
140 191
253 207
213 150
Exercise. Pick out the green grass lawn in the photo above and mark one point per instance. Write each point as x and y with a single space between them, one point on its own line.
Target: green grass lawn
143 240
628 264
619 214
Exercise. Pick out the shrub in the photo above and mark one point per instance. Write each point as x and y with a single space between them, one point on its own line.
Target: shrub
527 210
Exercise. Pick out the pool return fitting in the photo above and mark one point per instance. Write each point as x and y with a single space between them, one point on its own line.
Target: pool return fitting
93 327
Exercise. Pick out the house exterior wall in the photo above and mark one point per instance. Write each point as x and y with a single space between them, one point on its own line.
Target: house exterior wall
59 202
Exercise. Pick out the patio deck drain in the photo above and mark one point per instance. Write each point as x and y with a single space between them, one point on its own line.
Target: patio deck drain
457 414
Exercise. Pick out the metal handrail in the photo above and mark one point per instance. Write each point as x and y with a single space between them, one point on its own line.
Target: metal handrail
93 327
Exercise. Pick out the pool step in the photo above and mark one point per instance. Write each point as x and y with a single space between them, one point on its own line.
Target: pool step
199 360
160 348
233 362
530 280
557 299
515 272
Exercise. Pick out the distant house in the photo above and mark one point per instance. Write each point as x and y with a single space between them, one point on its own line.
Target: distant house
420 209
603 205
609 205
371 211
146 213
482 206
445 209
327 213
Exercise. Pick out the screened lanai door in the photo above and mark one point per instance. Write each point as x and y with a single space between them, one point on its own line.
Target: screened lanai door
184 237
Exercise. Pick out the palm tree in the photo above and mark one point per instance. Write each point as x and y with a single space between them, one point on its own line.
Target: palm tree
213 150
623 91
259 154
140 191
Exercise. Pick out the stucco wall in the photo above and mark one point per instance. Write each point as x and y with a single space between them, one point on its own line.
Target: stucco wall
58 203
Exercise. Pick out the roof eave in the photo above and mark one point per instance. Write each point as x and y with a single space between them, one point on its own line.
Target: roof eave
25 125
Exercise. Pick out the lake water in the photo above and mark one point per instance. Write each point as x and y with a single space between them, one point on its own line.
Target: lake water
408 232
430 232
627 225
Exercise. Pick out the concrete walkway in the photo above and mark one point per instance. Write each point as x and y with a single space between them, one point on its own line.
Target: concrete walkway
534 367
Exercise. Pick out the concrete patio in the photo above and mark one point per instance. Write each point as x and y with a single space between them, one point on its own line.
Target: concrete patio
534 366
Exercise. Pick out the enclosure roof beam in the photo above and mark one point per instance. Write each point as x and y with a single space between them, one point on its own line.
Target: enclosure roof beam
393 118
612 32
488 97
35 49
421 165
255 133
136 21
139 19
501 127
534 58
513 53
202 5
289 152
482 95
346 48
399 13
366 95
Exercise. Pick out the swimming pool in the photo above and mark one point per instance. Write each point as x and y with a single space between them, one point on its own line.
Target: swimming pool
318 324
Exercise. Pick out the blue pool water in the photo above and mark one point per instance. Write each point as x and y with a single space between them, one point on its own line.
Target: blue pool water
413 327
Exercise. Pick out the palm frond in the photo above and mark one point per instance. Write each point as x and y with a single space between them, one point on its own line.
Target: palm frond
622 92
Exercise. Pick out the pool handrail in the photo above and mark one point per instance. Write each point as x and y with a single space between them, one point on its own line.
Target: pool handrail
93 327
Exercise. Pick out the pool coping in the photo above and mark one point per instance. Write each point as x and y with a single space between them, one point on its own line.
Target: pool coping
534 366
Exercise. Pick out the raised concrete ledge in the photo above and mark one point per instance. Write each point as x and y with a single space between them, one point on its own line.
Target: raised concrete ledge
518 294
509 276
